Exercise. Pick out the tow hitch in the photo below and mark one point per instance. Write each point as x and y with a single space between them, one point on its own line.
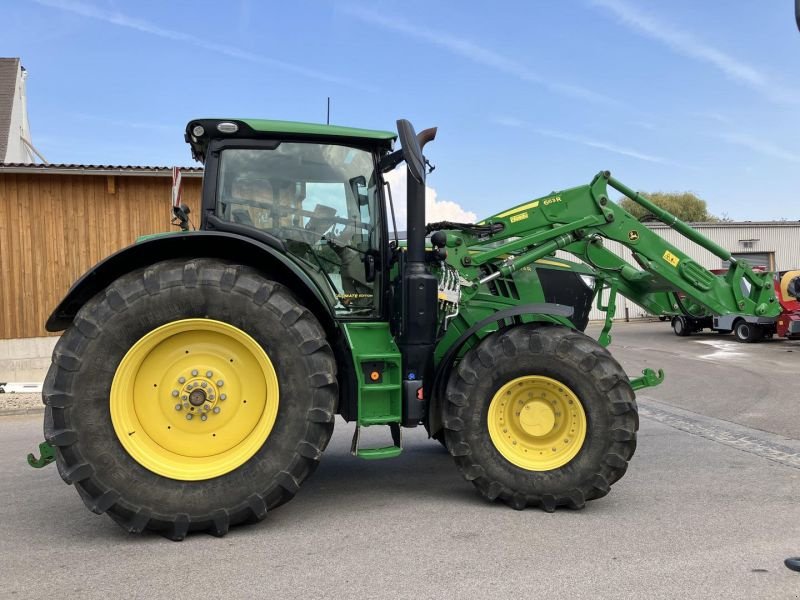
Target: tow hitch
48 455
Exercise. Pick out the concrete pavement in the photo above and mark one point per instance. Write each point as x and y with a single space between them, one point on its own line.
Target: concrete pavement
709 509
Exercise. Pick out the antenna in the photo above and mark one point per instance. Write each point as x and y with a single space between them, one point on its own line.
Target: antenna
328 119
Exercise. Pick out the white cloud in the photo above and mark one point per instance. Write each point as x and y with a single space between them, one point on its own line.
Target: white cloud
685 43
585 141
476 53
712 116
122 20
435 209
569 137
761 147
119 123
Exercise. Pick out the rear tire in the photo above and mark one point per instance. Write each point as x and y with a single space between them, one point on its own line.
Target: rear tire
747 333
87 359
556 359
439 437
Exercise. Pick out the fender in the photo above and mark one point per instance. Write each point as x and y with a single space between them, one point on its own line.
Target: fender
265 256
445 364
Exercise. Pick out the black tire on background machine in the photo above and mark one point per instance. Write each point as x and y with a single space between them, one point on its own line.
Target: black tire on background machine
582 365
680 326
76 393
747 333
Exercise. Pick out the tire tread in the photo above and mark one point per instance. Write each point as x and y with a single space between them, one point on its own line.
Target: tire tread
542 341
61 392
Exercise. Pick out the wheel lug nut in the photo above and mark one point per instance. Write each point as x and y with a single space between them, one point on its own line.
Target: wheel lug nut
211 396
186 405
216 410
189 417
220 383
181 379
207 407
209 374
178 407
203 417
204 384
184 397
195 372
223 397
175 393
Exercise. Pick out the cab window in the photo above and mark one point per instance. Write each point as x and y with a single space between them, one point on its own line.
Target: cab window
321 200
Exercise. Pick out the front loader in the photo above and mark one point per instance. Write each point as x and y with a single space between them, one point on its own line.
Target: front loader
199 374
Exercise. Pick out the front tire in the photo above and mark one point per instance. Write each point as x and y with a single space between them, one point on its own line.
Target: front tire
125 439
540 416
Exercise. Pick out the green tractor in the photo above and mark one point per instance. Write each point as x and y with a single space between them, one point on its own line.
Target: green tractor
199 375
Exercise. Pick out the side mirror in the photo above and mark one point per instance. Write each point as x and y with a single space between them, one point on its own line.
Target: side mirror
797 12
180 216
412 153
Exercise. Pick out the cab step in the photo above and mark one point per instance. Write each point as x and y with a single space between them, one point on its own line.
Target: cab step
378 453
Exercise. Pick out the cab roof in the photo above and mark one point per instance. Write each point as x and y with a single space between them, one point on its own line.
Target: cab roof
269 129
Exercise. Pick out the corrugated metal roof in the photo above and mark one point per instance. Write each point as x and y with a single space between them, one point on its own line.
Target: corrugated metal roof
727 224
73 169
9 70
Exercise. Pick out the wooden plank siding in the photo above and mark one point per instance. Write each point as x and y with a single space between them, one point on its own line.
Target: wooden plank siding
54 227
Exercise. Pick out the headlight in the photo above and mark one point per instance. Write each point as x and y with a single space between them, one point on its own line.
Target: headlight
227 127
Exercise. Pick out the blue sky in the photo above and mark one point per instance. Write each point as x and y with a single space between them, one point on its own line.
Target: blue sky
529 96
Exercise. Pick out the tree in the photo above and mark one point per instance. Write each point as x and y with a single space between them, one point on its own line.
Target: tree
685 205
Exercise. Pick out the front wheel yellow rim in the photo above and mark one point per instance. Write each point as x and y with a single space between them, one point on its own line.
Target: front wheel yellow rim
537 423
194 399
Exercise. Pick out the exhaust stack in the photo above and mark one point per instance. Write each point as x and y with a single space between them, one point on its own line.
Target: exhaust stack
418 287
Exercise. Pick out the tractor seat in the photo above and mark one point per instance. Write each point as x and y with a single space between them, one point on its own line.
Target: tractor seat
242 217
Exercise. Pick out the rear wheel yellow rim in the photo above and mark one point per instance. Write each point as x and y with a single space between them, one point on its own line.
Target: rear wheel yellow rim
194 399
537 423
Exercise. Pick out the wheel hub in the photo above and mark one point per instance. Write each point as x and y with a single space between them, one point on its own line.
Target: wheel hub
537 418
537 423
168 406
200 392
197 398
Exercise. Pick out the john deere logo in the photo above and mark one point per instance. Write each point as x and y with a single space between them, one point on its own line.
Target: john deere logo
633 235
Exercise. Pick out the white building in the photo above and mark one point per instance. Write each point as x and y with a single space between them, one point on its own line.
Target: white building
15 135
774 245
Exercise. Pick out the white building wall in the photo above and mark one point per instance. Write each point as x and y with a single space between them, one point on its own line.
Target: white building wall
780 239
17 151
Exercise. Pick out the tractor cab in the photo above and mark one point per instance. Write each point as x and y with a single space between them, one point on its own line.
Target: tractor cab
313 191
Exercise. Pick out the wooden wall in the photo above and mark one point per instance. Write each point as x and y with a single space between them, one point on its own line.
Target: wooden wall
55 227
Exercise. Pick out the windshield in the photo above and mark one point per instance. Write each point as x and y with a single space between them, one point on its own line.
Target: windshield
320 199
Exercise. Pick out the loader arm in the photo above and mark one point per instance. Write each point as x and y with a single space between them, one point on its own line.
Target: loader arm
579 220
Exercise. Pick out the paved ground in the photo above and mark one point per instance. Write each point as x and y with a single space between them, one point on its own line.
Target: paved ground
712 374
708 509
